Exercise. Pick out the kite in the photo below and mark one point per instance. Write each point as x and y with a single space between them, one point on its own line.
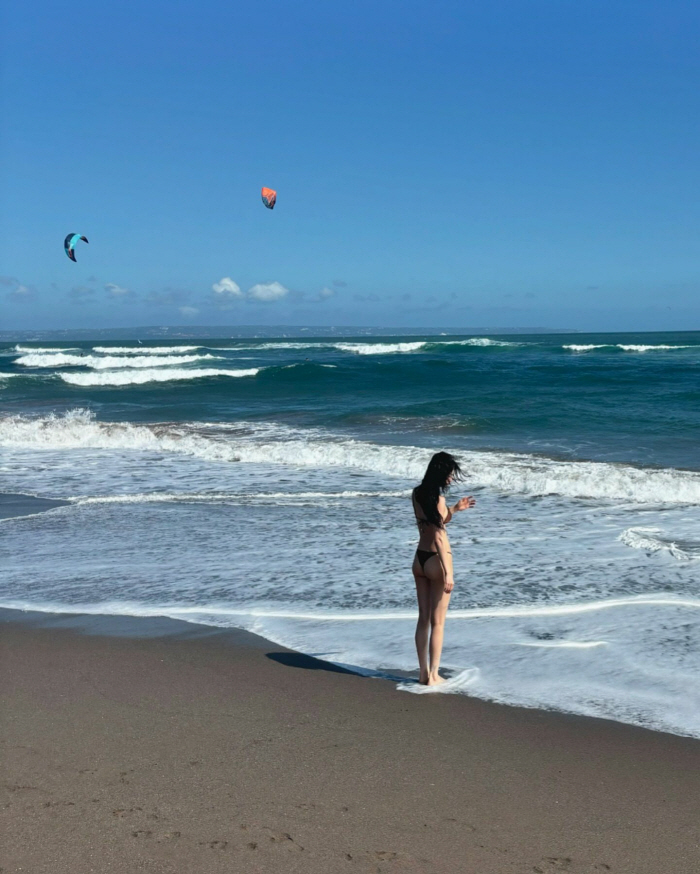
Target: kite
269 197
69 244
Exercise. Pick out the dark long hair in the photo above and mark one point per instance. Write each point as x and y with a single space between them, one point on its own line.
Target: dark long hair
427 494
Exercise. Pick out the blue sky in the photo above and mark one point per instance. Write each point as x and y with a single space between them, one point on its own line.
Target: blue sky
439 164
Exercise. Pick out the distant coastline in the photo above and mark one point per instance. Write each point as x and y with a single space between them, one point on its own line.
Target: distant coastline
234 332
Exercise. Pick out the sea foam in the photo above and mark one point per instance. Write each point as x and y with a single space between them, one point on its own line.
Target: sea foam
509 473
145 350
107 362
140 377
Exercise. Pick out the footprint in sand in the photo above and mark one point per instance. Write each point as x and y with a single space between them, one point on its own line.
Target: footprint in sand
553 863
121 812
213 845
267 837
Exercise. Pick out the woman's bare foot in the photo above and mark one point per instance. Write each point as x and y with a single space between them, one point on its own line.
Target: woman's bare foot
424 679
435 681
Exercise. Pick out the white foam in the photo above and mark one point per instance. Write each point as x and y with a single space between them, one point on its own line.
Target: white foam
626 347
461 682
478 341
269 443
139 377
651 540
241 497
108 362
379 348
39 350
637 348
144 350
567 644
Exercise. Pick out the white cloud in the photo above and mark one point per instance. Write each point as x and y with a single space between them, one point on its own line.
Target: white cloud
267 291
116 290
227 287
188 311
20 293
325 293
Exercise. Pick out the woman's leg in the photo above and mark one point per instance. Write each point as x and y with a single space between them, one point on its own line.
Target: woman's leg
423 625
439 602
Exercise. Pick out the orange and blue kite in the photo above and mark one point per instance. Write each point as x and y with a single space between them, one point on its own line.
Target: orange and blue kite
269 197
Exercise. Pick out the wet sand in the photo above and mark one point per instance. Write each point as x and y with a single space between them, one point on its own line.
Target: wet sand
139 745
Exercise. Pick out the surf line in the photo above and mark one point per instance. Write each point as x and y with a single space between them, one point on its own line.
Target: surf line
175 612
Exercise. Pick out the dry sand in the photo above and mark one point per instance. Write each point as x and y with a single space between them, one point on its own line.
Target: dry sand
187 751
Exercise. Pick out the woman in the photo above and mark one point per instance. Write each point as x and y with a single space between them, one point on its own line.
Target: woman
432 565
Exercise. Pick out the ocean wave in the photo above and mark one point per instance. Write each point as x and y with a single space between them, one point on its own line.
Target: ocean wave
476 341
652 540
418 345
626 347
239 497
108 362
379 348
640 348
140 377
41 351
509 473
144 350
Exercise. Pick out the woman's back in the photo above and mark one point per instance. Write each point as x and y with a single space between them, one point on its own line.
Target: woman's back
429 532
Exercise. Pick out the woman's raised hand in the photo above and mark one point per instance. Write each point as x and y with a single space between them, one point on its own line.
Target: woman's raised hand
465 503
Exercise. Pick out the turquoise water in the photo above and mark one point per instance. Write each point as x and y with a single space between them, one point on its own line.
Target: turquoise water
264 484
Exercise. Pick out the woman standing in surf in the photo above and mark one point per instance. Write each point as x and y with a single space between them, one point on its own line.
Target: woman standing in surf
432 565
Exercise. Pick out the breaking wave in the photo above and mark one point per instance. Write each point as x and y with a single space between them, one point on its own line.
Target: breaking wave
144 350
379 348
107 362
626 347
140 377
41 351
509 473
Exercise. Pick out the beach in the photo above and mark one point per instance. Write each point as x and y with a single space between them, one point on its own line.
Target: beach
152 745
207 609
264 484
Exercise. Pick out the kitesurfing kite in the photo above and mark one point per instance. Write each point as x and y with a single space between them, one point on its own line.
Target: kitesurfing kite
69 244
269 197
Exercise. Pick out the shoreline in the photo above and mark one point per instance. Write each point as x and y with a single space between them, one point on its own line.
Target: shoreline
135 626
162 746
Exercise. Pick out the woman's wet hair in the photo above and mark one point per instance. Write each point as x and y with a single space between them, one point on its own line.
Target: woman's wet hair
441 466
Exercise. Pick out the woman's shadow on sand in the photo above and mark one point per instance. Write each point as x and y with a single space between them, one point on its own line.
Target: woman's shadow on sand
311 663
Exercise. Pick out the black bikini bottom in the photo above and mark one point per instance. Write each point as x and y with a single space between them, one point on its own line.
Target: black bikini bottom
423 555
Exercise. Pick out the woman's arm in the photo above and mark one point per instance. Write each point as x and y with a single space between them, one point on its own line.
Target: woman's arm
444 510
448 512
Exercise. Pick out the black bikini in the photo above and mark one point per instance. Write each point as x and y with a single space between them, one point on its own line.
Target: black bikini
422 554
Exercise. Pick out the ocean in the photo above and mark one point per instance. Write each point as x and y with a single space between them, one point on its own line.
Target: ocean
265 484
